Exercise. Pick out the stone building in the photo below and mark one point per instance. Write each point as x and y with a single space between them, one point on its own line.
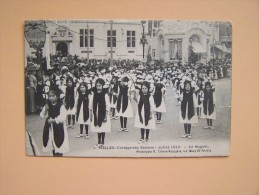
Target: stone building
71 37
185 40
169 40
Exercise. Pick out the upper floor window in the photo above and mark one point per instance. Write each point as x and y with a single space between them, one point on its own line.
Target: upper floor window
111 38
131 38
84 38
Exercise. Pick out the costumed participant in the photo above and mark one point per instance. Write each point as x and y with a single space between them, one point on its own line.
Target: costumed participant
32 89
114 92
100 107
188 109
55 137
159 99
40 95
64 75
70 95
124 107
199 96
27 93
55 77
83 109
144 118
208 107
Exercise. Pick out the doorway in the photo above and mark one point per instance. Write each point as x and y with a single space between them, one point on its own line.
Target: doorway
62 49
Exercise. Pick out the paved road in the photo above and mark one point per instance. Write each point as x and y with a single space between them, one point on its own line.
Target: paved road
169 132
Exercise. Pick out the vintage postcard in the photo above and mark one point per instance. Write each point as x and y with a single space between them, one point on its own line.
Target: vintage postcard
128 88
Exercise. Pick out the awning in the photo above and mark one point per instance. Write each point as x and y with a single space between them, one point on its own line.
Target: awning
197 47
222 48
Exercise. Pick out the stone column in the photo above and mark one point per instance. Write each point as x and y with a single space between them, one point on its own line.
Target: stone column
166 47
185 45
68 47
54 45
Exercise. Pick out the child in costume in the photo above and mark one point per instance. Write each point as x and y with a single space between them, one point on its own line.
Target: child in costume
199 96
188 114
159 94
124 107
55 137
83 109
100 108
144 117
70 95
208 105
114 92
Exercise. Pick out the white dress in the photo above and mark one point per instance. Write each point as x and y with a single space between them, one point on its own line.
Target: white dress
162 107
64 148
81 111
129 111
213 114
151 122
194 119
106 126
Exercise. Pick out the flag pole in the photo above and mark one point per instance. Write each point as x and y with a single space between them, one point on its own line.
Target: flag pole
88 42
111 62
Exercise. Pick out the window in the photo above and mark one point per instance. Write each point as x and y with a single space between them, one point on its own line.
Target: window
111 38
84 39
153 53
131 38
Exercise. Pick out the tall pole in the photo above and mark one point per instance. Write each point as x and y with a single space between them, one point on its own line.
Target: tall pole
207 52
213 52
88 42
111 62
143 37
151 36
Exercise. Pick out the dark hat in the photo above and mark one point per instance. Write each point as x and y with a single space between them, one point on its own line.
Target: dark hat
125 79
31 68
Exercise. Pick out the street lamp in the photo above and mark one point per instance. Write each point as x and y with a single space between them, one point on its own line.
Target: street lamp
143 39
35 34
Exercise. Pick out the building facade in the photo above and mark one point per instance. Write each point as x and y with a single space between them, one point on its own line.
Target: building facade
188 41
121 37
185 40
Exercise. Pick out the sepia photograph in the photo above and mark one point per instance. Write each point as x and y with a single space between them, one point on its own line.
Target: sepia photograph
127 88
